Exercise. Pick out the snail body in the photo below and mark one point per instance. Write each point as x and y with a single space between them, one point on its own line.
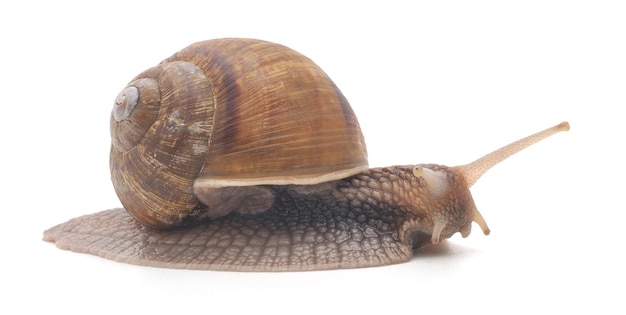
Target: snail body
239 154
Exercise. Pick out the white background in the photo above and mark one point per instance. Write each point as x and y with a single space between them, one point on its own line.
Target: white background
433 81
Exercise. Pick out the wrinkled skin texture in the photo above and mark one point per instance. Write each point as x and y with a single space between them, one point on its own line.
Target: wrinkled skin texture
239 154
371 219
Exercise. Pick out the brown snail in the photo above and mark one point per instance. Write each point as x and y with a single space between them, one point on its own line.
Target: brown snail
239 154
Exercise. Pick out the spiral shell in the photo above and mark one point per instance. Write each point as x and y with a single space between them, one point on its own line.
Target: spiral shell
227 112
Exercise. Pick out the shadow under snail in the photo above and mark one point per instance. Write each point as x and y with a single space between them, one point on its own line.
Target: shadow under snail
240 154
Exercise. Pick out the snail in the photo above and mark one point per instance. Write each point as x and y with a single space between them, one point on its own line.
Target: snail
243 155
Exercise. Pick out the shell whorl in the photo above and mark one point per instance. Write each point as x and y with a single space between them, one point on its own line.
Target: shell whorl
279 119
224 113
153 177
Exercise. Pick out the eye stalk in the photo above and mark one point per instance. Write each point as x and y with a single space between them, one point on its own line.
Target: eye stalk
468 174
473 171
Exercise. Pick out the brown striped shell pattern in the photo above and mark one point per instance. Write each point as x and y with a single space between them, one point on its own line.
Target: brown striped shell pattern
227 113
243 155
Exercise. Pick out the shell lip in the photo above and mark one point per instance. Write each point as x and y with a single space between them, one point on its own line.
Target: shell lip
305 179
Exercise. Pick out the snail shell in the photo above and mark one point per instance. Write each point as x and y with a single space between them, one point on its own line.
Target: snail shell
227 113
239 154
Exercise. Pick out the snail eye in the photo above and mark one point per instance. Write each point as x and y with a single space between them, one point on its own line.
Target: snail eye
125 102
